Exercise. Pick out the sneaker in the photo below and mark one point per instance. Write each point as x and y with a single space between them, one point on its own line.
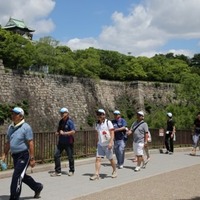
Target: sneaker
121 167
54 174
166 152
137 169
94 177
37 193
114 174
170 153
70 173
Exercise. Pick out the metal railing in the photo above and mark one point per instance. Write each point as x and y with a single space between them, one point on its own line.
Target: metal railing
85 144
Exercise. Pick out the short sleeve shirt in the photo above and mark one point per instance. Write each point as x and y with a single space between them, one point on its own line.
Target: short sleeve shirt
170 125
140 131
18 137
197 126
105 126
66 125
119 135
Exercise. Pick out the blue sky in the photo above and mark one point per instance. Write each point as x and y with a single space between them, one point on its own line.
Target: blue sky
142 27
84 19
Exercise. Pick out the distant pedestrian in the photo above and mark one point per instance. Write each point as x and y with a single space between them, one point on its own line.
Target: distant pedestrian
20 143
170 134
105 133
120 137
139 129
196 134
65 132
146 150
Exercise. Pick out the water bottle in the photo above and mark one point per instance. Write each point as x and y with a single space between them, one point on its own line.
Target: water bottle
3 165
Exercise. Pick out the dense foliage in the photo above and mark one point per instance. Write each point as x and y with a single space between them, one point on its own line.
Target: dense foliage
19 53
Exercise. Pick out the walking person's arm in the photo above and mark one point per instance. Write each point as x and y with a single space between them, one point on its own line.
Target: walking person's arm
6 150
111 138
31 152
173 131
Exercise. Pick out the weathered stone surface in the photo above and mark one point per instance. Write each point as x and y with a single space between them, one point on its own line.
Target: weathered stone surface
46 94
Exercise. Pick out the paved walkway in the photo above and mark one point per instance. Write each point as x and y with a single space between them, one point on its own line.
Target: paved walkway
167 177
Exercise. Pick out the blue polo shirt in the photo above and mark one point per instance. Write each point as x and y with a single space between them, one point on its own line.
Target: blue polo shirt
119 135
18 137
66 125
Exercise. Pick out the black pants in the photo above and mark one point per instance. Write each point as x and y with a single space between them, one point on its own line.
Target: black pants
21 162
169 142
69 149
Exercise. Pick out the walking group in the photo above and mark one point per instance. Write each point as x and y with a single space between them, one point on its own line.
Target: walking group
111 139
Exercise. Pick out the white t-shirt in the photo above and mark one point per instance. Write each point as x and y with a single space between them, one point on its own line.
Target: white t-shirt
103 130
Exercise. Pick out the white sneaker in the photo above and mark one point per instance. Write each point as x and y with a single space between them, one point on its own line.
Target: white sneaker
54 174
137 169
121 167
70 173
94 177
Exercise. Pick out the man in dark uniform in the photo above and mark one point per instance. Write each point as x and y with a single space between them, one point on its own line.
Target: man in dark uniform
169 135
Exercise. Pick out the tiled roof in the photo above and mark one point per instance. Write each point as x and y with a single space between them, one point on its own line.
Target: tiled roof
16 23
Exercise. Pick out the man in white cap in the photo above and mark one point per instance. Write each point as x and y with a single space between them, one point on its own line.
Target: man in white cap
105 132
140 138
120 127
20 143
65 132
169 135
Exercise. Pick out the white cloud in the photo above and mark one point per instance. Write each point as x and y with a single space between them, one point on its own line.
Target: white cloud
144 31
77 43
149 26
33 12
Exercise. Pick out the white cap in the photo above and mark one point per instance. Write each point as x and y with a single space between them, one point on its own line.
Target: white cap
18 110
63 110
140 113
116 112
169 114
101 111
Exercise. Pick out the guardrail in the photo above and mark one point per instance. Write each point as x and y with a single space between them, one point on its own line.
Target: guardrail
85 144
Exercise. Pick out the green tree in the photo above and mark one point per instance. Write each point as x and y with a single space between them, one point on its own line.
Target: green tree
16 51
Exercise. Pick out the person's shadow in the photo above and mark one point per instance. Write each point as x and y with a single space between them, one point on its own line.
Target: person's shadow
6 197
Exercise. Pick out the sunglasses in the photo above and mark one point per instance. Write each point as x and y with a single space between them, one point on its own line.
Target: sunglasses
15 113
99 114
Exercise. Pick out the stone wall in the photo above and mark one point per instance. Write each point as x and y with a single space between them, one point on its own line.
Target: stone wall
46 94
